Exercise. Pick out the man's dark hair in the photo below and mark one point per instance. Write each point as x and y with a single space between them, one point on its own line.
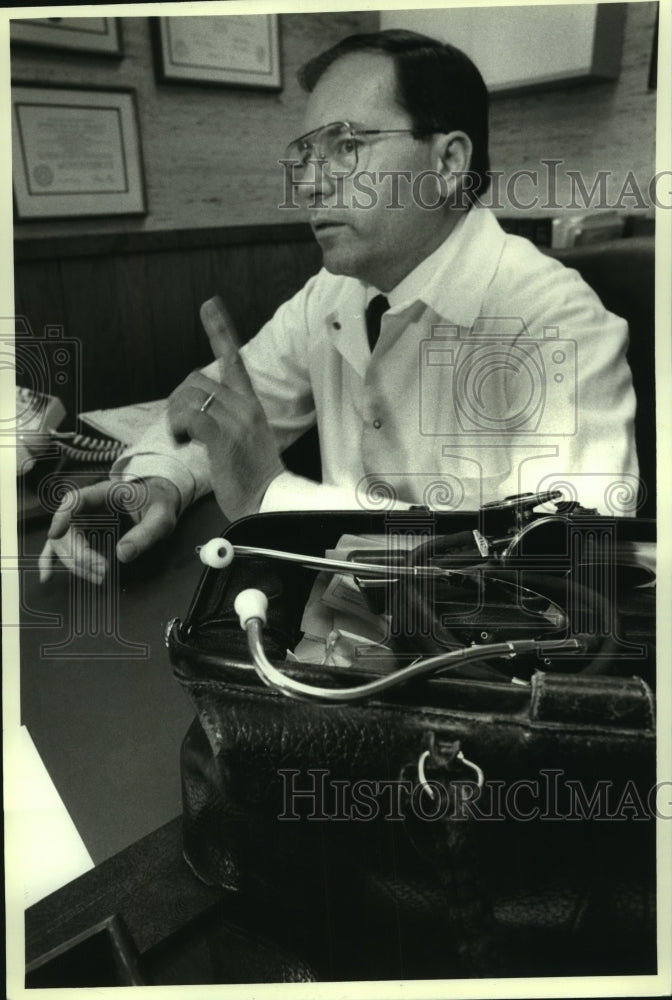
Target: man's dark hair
437 84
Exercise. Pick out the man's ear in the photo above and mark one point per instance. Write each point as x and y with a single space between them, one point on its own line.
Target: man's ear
452 153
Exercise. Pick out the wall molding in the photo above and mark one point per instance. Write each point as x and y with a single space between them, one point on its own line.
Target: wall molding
107 244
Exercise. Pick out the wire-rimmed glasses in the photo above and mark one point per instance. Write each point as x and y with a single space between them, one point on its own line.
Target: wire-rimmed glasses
335 146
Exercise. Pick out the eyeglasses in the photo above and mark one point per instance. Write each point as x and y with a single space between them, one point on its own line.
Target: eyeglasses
335 145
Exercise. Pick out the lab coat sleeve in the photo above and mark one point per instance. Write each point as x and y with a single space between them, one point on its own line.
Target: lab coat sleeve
157 453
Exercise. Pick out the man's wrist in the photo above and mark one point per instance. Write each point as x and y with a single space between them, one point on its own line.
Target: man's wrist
165 467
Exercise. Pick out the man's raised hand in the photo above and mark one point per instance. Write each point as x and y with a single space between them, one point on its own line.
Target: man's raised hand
228 419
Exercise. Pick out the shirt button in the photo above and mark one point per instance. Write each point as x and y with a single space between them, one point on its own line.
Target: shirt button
377 424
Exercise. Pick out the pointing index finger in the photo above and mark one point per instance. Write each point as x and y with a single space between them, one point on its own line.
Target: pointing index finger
224 341
219 327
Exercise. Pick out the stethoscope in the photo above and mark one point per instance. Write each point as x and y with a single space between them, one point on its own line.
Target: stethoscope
251 607
219 553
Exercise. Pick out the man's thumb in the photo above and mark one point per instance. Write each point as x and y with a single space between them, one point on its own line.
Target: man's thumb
158 523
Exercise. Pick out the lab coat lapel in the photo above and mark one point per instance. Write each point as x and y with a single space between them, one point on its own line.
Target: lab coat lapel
345 326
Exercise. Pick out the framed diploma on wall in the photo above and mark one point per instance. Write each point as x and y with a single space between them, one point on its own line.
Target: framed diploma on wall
75 152
234 50
101 35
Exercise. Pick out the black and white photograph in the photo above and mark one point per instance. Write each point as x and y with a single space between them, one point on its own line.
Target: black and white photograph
335 448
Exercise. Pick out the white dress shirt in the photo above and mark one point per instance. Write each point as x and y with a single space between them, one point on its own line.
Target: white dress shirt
497 371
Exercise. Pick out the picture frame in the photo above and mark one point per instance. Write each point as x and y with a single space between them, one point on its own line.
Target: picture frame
231 50
652 83
76 152
97 35
587 42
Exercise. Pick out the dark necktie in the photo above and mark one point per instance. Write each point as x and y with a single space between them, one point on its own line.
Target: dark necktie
374 312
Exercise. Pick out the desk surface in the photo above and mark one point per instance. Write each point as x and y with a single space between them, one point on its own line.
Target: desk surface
97 692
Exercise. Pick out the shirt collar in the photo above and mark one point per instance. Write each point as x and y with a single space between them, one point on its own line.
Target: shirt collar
452 280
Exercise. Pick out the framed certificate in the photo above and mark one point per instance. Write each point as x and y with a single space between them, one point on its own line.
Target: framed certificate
235 50
101 35
75 153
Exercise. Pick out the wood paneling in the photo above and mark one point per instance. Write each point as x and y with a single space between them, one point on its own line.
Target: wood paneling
39 301
131 303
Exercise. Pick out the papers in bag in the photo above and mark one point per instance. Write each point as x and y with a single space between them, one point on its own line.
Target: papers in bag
339 628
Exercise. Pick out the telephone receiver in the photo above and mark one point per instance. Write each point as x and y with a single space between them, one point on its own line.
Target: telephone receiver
38 417
36 414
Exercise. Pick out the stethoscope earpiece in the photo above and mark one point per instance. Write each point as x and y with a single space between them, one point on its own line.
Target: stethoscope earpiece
217 553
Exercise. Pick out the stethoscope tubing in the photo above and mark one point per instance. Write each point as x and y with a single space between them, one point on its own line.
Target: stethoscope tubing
301 691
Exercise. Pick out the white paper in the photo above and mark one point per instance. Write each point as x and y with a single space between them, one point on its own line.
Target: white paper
125 423
44 838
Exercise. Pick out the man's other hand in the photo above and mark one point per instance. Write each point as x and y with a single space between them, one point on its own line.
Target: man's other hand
155 516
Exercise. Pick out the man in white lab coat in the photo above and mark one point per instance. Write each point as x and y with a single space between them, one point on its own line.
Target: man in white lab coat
443 361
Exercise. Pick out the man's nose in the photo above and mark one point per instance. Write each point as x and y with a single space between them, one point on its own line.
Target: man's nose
315 182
